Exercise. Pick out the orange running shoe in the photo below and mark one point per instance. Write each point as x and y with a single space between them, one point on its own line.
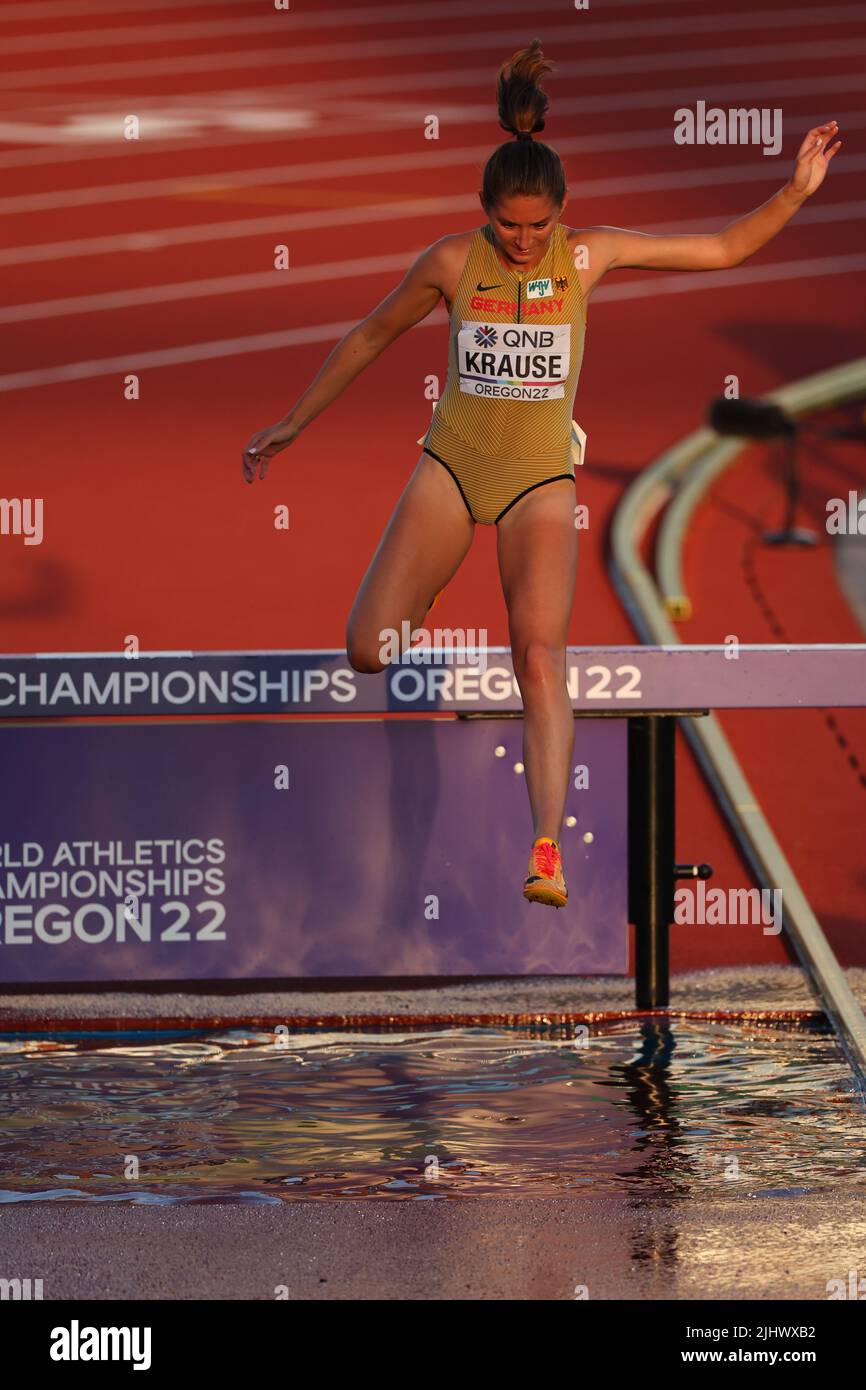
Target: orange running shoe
545 882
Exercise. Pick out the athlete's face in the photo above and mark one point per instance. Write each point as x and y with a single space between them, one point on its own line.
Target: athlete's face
522 227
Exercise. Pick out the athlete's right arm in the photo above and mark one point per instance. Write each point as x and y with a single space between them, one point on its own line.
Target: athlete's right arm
414 298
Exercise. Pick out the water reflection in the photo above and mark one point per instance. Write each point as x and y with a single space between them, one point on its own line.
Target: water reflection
651 1109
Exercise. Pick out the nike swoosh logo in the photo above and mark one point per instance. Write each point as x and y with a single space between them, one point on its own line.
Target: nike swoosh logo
489 287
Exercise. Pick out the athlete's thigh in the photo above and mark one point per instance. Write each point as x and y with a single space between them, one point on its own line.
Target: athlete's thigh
422 547
537 550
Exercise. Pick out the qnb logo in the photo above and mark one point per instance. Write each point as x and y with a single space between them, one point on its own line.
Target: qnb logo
485 336
77 1343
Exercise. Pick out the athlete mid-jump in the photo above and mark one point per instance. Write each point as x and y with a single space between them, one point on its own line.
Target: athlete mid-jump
501 448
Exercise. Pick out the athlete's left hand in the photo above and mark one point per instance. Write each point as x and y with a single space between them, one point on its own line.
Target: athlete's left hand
813 157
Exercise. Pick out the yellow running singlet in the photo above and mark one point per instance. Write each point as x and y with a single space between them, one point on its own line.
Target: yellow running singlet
503 424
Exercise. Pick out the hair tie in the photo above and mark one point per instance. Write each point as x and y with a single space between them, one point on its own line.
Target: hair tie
524 134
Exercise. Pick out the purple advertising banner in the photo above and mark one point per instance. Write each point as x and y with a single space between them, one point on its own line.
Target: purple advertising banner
601 680
262 850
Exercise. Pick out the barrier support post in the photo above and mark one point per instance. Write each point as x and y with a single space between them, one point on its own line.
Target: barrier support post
651 830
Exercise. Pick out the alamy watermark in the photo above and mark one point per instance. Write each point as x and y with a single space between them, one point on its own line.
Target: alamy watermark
77 1343
697 905
16 1290
22 516
438 646
846 517
853 1288
736 126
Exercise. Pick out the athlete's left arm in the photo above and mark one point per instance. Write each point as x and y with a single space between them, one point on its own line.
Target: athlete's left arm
618 248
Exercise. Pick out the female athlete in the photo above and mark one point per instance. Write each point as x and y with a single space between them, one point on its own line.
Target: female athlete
500 449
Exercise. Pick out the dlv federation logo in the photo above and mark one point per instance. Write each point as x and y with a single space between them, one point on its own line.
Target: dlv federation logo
486 336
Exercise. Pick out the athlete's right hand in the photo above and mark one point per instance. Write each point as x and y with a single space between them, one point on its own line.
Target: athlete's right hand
264 445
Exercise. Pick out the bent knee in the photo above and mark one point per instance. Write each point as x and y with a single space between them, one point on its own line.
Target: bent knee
539 664
364 656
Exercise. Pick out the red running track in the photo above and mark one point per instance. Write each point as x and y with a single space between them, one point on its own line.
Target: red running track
155 257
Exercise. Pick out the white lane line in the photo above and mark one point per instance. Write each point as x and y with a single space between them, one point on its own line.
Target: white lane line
192 352
301 171
381 50
683 282
202 289
164 126
442 12
291 56
280 225
32 10
260 24
570 74
283 224
135 361
327 272
786 90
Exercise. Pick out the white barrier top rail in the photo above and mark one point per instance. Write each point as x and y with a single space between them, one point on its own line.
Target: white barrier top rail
461 678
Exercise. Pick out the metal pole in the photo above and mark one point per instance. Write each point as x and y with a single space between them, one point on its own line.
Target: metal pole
651 827
791 534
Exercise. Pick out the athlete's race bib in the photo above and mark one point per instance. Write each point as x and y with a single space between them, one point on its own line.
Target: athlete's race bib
514 361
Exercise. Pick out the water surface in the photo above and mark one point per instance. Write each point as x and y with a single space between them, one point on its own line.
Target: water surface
649 1106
